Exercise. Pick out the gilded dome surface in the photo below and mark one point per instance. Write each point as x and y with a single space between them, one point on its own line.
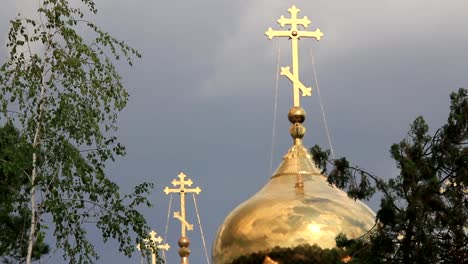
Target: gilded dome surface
297 206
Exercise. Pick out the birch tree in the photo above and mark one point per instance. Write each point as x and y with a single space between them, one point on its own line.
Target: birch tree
60 87
15 165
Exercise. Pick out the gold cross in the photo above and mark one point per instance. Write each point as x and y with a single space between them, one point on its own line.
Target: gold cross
153 242
183 221
182 190
294 34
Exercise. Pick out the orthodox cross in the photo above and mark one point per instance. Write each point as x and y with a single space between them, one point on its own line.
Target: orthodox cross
294 34
182 190
152 243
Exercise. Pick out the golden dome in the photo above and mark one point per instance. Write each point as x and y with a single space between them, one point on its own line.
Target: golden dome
296 207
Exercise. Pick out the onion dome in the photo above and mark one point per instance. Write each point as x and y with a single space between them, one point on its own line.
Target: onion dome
297 206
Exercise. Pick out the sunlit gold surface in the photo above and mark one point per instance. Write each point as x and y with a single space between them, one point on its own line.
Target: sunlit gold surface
285 214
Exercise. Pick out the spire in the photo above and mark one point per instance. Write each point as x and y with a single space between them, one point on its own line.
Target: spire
184 241
294 34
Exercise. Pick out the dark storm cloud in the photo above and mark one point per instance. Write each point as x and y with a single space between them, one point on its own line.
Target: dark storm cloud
202 95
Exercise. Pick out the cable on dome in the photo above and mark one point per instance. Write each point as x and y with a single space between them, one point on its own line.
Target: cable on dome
321 105
167 226
201 229
273 134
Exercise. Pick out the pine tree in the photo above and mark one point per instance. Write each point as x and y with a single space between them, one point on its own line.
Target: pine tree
423 215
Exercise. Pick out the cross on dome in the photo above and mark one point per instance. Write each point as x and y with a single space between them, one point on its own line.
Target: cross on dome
153 237
152 243
182 190
294 34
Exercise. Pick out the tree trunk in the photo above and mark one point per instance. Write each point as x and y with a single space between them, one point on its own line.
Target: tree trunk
32 231
36 143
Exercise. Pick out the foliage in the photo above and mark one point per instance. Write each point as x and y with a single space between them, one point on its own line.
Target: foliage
353 251
63 92
147 250
423 214
14 170
320 157
345 177
303 254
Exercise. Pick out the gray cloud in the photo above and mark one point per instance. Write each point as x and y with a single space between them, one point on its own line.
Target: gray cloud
202 95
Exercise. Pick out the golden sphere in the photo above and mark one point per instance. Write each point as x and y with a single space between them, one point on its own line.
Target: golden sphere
297 130
184 242
296 115
184 252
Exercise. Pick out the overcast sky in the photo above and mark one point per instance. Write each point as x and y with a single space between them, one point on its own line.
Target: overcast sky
202 96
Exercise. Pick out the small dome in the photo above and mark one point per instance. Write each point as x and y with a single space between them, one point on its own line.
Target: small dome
296 207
